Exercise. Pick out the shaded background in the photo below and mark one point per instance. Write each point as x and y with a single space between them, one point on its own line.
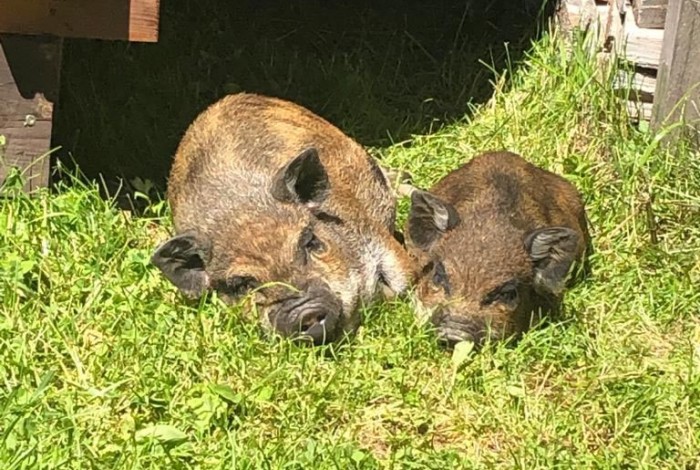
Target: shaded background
380 70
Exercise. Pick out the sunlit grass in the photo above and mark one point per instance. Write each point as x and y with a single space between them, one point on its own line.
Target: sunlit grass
103 364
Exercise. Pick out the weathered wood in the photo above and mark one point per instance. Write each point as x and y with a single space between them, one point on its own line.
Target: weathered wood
638 85
678 85
573 14
133 20
643 45
650 13
621 4
639 111
29 84
614 31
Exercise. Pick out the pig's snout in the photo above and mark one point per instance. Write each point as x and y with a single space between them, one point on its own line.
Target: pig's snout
310 316
451 329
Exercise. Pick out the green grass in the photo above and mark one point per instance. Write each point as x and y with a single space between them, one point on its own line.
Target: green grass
103 365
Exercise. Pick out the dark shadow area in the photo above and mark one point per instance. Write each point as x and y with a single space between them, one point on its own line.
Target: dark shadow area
33 62
381 71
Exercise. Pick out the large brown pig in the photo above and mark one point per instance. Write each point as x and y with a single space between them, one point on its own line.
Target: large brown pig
271 200
495 241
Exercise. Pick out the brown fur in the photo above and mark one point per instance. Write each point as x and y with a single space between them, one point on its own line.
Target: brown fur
220 189
494 201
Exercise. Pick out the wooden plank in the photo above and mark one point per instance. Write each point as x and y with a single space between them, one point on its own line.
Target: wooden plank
650 13
642 45
621 5
678 86
29 84
576 14
639 111
639 85
612 39
133 20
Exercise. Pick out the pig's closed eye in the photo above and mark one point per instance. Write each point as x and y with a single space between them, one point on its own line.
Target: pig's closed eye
440 276
309 242
314 244
237 286
506 294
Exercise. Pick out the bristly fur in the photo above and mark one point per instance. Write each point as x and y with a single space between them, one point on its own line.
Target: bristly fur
518 230
253 172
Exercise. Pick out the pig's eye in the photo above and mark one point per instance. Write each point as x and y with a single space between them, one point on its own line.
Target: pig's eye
310 243
237 286
506 294
314 244
440 277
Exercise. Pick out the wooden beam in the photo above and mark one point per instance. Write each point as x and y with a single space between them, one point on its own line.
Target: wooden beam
638 111
678 82
642 45
614 31
637 85
650 13
133 20
573 14
29 84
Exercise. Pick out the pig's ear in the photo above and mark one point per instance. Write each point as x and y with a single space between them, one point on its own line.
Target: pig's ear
303 180
429 218
182 260
553 251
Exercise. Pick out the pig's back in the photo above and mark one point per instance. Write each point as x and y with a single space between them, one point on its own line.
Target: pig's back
234 148
520 193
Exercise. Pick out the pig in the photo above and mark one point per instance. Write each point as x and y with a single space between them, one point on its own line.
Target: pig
274 204
495 243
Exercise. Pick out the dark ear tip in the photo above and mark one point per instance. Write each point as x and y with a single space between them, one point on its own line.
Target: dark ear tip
550 232
310 152
158 256
418 197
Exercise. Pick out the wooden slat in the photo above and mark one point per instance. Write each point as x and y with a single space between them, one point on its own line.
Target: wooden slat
29 79
678 85
573 14
639 111
133 20
650 13
640 85
643 45
613 32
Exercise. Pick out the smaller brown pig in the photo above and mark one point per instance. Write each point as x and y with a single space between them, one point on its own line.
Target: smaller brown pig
495 241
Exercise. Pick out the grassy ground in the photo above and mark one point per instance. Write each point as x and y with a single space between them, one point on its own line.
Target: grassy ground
102 365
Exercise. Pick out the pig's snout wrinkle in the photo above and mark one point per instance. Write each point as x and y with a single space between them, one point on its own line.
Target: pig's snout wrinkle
452 329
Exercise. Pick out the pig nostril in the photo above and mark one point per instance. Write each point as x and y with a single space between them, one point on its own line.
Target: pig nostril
446 342
313 320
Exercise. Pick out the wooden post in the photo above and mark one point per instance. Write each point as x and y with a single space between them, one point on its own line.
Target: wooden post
677 92
29 83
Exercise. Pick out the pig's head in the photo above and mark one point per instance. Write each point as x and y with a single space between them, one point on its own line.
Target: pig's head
304 270
480 275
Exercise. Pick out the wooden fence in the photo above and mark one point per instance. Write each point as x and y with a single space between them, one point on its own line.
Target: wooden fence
660 39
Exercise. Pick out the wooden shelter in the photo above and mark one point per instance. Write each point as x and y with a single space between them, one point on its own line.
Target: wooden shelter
660 39
31 35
